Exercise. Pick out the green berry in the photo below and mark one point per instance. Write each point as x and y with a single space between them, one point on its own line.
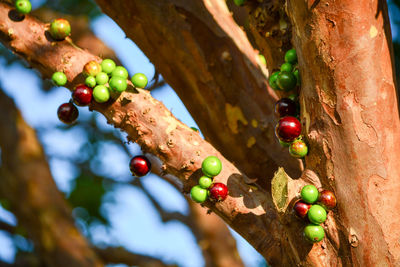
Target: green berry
139 80
309 193
211 166
101 94
101 78
291 56
205 182
272 80
59 78
298 149
287 67
23 6
60 29
293 97
120 72
284 144
194 129
239 2
118 84
296 74
90 81
107 65
262 59
314 233
286 81
316 214
198 194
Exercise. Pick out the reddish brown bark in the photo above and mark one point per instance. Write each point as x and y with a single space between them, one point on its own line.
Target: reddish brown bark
26 178
209 62
350 115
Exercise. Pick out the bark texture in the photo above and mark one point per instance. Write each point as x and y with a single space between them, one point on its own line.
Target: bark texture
204 55
349 111
26 178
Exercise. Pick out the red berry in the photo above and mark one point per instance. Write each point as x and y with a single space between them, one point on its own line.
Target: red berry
285 107
288 129
82 95
140 166
67 113
218 191
301 208
327 199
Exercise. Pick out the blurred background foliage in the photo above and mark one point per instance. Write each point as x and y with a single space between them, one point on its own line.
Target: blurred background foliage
85 156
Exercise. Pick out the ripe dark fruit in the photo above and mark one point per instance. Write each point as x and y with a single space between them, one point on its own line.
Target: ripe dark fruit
288 129
291 56
82 95
67 113
314 233
272 80
60 29
285 107
327 199
140 166
286 81
218 192
301 208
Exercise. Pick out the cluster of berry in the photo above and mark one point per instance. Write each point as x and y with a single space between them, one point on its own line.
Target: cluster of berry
315 214
211 167
288 129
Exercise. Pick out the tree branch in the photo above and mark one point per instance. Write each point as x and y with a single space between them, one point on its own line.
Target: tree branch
26 178
248 209
219 78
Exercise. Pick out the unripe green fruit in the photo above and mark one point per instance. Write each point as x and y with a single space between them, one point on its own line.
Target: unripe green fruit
239 2
198 194
284 144
107 65
120 72
287 67
286 81
262 59
205 182
101 78
272 80
314 233
194 129
139 80
60 29
101 94
317 214
309 193
296 74
211 166
291 56
59 78
23 6
90 81
298 149
118 84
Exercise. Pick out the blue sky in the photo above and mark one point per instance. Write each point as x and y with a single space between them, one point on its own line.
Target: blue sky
135 223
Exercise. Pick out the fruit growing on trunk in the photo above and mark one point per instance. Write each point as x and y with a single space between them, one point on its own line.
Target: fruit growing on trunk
218 191
316 214
291 56
92 68
272 80
301 208
118 84
101 78
107 65
285 107
287 67
314 233
139 80
262 60
327 199
286 80
198 194
59 78
60 29
309 193
67 113
90 81
288 129
140 166
211 166
23 6
101 94
82 95
205 182
298 149
120 72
